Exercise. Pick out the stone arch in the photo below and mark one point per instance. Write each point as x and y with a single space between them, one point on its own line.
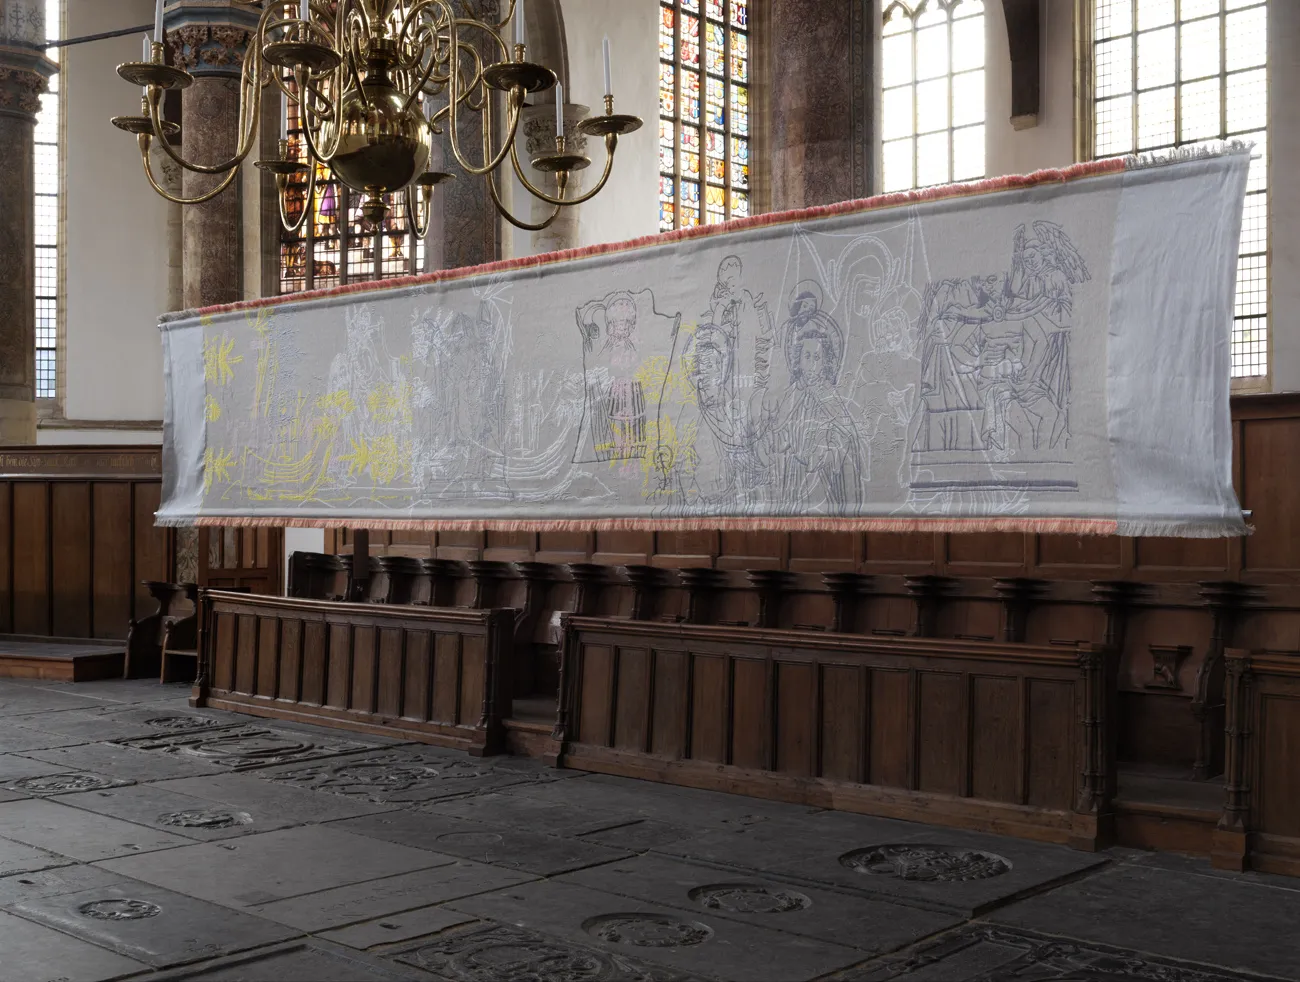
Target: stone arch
547 43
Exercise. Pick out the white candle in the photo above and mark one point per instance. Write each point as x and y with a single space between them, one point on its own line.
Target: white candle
559 109
519 21
157 23
148 49
609 77
304 10
284 119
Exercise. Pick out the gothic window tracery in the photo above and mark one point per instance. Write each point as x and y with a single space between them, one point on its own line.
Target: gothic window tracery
704 116
1170 73
932 93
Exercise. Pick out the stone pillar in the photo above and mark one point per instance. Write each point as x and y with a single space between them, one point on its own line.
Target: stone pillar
821 91
208 39
24 75
538 128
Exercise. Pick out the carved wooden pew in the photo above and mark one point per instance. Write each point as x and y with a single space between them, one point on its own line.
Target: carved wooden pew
431 674
1260 827
1010 738
146 637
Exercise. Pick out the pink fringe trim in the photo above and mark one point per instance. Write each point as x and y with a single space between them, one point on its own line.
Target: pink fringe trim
895 199
1040 526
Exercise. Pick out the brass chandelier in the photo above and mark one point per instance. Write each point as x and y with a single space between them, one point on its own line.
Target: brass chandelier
374 81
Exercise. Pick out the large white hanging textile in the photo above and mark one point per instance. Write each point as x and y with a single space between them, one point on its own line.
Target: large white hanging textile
1049 353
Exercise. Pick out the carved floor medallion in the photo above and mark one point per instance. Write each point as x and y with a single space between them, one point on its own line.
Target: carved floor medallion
744 898
994 954
207 818
647 930
181 724
500 953
926 863
244 747
119 910
47 784
382 777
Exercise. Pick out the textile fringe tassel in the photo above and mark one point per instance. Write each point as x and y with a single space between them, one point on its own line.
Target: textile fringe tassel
1195 151
1041 526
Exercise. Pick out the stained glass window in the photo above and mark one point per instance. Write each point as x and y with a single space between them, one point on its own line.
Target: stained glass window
932 93
334 246
47 219
1172 72
704 112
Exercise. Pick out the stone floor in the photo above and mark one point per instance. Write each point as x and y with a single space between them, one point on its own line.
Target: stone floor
142 839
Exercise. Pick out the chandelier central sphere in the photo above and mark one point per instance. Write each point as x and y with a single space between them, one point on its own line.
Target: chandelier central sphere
372 83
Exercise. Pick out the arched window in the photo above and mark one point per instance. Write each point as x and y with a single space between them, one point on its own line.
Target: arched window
1168 73
333 247
704 135
48 182
932 93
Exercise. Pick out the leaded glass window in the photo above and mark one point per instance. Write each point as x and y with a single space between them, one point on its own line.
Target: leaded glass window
334 247
932 93
47 175
1168 73
704 135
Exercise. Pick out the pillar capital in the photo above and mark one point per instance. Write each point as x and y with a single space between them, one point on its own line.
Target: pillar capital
24 74
209 37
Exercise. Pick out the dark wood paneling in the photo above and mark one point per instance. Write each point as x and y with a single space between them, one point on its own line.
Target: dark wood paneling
751 715
941 736
844 715
709 710
796 714
1095 551
376 674
1053 719
31 562
631 699
112 562
597 690
670 703
997 739
71 559
1279 786
6 557
891 729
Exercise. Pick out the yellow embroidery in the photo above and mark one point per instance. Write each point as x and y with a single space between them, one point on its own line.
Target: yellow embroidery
218 360
382 457
216 467
211 409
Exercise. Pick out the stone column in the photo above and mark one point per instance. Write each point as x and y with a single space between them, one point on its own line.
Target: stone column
538 128
208 39
821 85
24 75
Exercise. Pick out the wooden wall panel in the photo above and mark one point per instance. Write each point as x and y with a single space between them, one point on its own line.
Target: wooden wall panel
31 559
997 739
890 549
370 684
419 675
942 733
709 698
1089 552
113 564
152 561
987 549
890 755
825 551
6 558
671 703
1279 784
71 559
1053 717
632 699
1269 449
843 720
751 714
597 693
796 714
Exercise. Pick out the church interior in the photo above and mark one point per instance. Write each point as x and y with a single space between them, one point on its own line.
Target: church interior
302 729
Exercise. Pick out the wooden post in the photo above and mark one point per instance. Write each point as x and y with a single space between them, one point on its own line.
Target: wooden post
360 563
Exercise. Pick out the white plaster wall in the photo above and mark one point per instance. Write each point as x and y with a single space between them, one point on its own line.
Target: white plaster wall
629 205
116 240
1051 142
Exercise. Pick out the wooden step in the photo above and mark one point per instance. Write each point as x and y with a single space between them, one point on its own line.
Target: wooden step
60 661
1168 812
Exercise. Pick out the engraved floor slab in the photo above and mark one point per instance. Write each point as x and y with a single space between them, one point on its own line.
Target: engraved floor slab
30 951
524 812
873 926
79 834
39 779
123 762
358 902
24 700
51 882
689 942
263 868
498 952
398 776
288 805
1206 919
396 928
18 857
941 869
987 953
245 747
120 724
530 852
179 814
158 927
313 961
16 737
